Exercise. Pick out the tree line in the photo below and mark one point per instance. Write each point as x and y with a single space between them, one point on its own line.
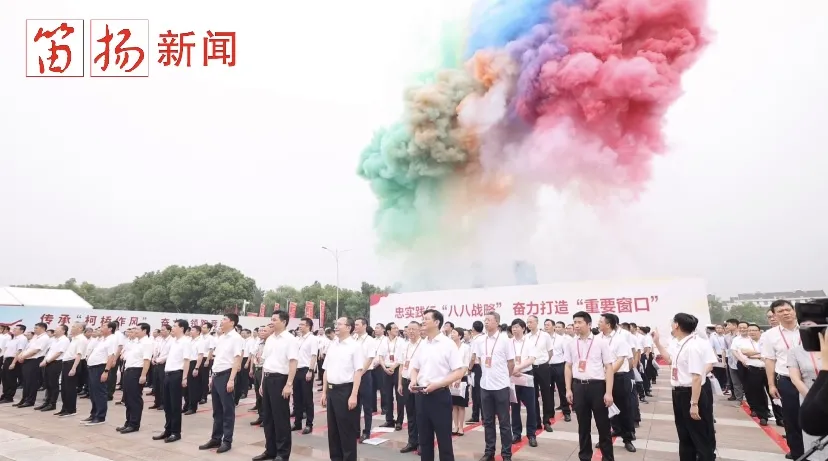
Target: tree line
747 312
213 289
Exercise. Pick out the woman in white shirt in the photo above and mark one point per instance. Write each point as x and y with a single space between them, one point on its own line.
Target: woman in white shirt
460 389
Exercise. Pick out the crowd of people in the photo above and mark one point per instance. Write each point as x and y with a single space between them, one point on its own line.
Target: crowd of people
426 374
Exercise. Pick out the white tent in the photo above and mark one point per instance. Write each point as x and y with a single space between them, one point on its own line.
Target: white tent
41 297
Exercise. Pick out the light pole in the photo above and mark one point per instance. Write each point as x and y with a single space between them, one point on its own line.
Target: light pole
335 253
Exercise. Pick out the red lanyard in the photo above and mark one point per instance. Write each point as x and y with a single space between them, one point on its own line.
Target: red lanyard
415 350
813 360
578 347
787 346
523 344
493 345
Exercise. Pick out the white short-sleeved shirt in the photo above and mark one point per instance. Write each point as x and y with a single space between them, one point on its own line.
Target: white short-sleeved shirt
436 359
744 342
560 348
593 353
198 346
408 351
103 349
324 342
525 351
76 346
59 347
4 340
345 357
137 352
163 349
228 347
279 351
39 342
369 348
776 343
250 345
473 346
308 347
392 351
90 346
541 345
619 347
180 350
690 356
494 352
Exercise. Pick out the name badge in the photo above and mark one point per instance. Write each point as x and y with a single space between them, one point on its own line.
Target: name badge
675 373
488 362
405 367
391 357
582 366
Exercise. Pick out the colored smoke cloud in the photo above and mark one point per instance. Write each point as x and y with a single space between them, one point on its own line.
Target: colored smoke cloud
567 94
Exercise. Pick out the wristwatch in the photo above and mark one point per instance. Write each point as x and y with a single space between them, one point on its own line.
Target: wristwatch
106 371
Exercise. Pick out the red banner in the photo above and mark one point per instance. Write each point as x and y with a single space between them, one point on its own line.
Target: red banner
262 310
309 309
275 307
292 309
321 314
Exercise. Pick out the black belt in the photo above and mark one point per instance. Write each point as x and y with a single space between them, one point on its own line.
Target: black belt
266 374
529 372
95 366
781 377
682 389
587 381
221 373
173 372
338 386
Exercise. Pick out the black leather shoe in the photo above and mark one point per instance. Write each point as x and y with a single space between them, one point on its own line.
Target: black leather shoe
387 424
160 436
129 430
40 407
362 438
296 428
398 427
408 448
307 430
224 448
548 427
25 405
533 442
629 447
49 408
189 412
258 422
568 418
210 445
173 438
263 457
486 458
515 439
120 428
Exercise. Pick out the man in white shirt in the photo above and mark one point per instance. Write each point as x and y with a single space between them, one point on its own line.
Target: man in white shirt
4 339
280 355
476 335
263 333
308 351
70 368
207 363
30 359
776 343
497 362
340 389
53 364
541 343
589 383
389 363
92 335
227 358
198 349
12 370
324 338
243 376
366 385
751 372
159 361
557 363
409 401
687 356
622 350
177 361
100 362
137 359
433 370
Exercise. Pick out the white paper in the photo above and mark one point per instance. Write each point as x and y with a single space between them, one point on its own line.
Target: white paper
374 441
717 388
523 380
777 402
638 378
614 411
458 389
512 394
383 430
471 379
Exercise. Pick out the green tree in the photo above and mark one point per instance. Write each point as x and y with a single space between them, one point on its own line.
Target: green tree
748 312
718 313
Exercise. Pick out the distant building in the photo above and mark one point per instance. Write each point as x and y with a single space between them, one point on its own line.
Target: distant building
765 299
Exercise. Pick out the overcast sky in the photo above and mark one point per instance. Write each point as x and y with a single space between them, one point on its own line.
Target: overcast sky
254 166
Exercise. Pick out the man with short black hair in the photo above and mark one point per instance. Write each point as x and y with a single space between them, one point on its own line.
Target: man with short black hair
308 352
178 360
476 334
53 364
137 359
366 384
226 364
100 362
30 359
70 369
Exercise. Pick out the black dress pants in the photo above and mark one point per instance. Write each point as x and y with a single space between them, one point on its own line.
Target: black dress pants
158 385
303 397
172 402
242 381
755 381
434 420
52 384
496 403
193 392
343 423
588 401
391 396
475 392
543 391
224 408
276 416
69 388
133 396
559 382
790 413
623 422
695 437
410 405
31 379
366 395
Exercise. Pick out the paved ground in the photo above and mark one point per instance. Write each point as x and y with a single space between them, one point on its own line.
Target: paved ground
27 435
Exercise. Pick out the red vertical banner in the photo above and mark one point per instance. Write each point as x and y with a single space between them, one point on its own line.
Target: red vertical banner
262 310
321 314
292 309
275 307
309 309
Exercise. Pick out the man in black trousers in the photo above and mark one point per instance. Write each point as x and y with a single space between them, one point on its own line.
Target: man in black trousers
162 350
70 371
12 369
207 363
53 364
227 358
194 375
31 357
477 333
136 369
278 373
178 360
409 399
340 388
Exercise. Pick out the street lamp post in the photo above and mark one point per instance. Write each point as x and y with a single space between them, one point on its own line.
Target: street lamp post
335 253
